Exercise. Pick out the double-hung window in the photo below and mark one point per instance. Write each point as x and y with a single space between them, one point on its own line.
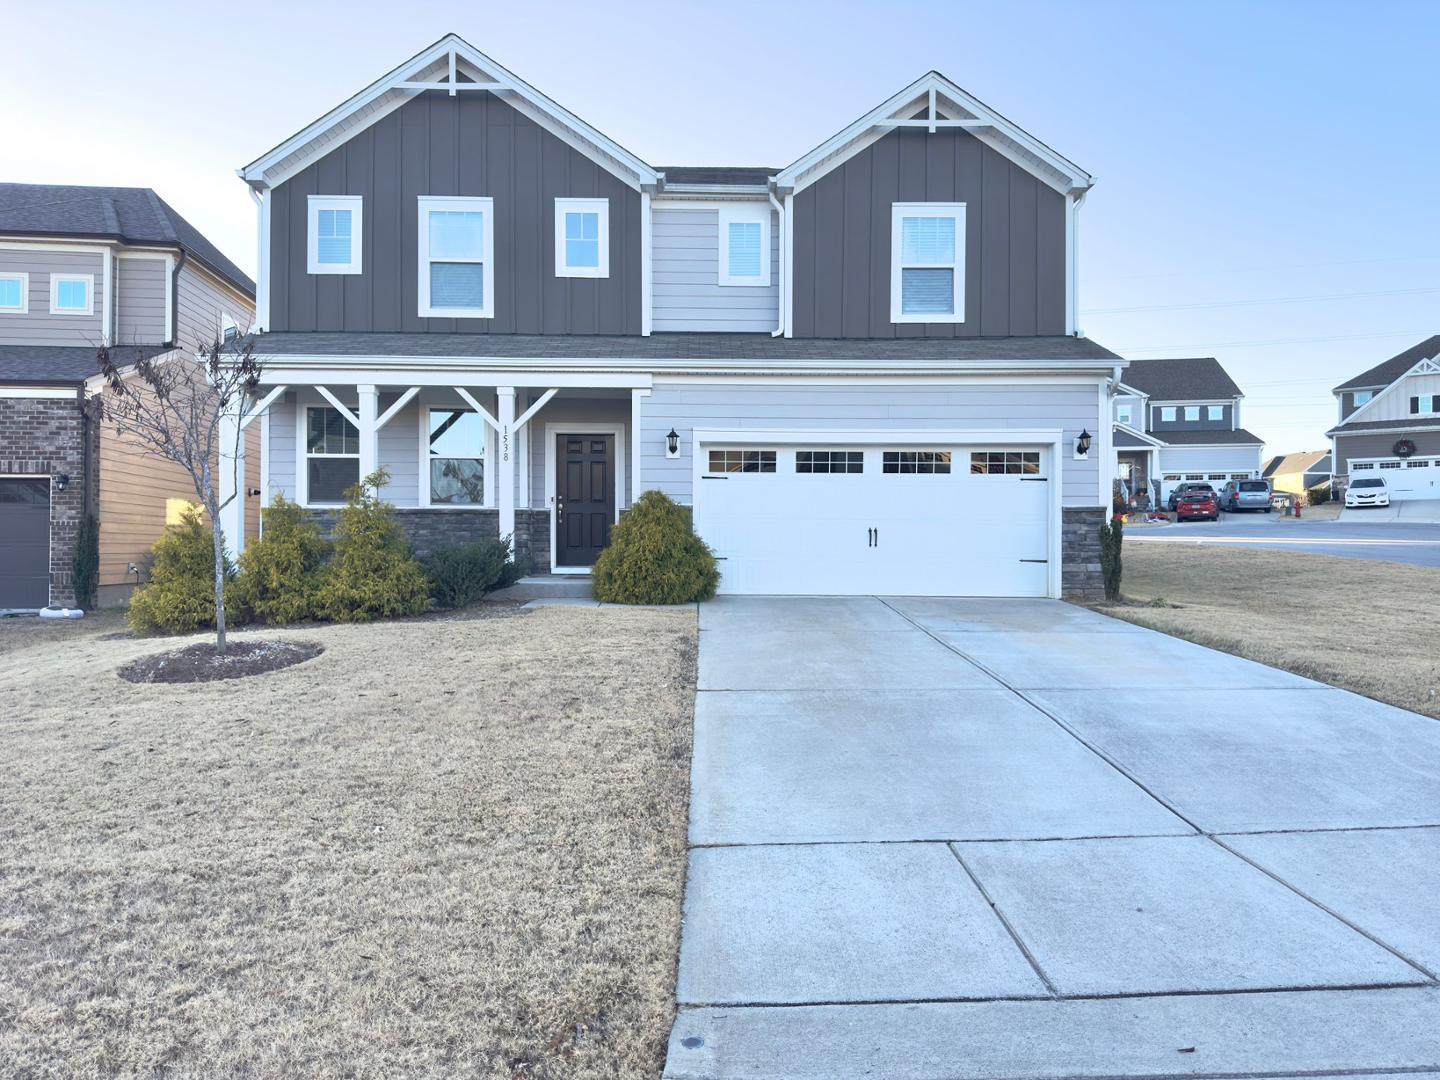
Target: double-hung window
457 242
332 455
333 234
72 294
927 262
14 294
745 245
455 447
582 238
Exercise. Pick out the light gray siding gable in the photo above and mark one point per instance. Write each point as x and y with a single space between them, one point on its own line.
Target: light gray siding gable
39 325
141 288
686 293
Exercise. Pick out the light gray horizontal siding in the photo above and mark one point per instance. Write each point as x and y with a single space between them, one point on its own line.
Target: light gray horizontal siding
1347 447
580 410
38 326
685 268
1209 459
199 302
140 289
282 448
687 406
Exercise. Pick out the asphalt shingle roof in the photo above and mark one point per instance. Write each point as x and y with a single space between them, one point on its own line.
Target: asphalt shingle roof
719 175
133 215
1386 372
1302 462
1381 425
60 365
731 347
1197 378
1225 437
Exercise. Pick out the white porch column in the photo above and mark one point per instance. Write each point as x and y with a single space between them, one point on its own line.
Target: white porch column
505 474
369 399
231 481
637 398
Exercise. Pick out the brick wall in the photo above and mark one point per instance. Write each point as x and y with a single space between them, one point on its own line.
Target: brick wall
1080 577
46 437
432 529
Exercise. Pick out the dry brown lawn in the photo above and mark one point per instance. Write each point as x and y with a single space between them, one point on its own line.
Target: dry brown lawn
1363 625
444 847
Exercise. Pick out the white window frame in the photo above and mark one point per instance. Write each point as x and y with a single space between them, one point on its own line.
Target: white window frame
1215 412
56 309
488 449
1192 413
1425 404
1125 414
459 204
1167 414
565 206
316 203
736 215
302 474
1362 397
24 280
898 211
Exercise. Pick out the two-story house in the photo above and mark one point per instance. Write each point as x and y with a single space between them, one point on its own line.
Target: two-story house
861 370
1390 424
1178 420
82 266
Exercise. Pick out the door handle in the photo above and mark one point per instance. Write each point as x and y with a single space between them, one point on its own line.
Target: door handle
559 507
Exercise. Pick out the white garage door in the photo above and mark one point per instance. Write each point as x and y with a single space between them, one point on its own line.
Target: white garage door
890 520
1407 478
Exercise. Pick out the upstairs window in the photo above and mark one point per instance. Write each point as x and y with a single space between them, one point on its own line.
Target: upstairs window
927 271
582 238
1362 397
1215 412
14 294
333 234
1424 403
457 242
1192 412
1123 414
72 294
745 246
1167 414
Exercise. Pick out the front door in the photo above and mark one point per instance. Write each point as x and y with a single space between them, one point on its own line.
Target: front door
24 542
584 497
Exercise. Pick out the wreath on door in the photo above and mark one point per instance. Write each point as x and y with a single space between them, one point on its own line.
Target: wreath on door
1404 448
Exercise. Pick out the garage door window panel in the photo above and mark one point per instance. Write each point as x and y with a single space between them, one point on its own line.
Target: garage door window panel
829 461
1005 463
742 461
918 462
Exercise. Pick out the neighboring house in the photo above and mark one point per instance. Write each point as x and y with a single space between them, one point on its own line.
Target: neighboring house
1179 420
80 266
1390 424
860 370
1298 473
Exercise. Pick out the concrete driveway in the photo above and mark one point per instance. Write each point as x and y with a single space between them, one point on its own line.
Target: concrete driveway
1014 838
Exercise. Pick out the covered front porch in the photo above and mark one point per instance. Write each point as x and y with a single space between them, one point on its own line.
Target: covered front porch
548 459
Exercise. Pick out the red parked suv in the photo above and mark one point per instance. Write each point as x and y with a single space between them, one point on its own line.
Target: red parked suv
1197 505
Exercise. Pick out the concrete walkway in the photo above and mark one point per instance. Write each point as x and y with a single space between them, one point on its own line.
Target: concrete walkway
939 838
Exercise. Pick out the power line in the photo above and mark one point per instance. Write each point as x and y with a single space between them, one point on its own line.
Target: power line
1260 344
1255 303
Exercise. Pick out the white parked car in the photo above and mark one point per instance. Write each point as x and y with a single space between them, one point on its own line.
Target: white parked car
1367 491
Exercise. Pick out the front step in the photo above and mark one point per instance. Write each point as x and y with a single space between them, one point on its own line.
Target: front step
546 587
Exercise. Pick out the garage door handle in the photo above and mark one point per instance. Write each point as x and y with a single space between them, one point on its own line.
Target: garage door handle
1035 560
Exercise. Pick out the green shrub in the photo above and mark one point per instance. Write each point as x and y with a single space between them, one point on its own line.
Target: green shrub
1318 496
180 596
463 573
373 574
280 573
86 564
1112 536
655 557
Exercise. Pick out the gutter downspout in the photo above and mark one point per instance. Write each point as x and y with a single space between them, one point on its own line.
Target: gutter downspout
175 300
784 269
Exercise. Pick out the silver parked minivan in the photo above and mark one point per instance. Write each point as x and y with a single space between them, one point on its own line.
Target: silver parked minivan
1245 495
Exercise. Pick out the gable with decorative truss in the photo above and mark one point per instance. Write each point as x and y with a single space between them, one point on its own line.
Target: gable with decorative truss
454 66
1393 403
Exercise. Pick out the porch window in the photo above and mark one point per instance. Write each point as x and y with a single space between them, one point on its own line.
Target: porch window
332 455
457 241
927 267
457 457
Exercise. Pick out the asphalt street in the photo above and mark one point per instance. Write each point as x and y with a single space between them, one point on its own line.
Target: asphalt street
1416 544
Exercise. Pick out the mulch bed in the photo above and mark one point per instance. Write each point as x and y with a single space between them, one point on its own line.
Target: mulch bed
200 663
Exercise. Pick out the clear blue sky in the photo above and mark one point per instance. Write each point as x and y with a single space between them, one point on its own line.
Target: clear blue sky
1246 153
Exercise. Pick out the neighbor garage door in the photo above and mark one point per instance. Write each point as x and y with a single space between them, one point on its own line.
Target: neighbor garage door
1407 478
905 520
24 542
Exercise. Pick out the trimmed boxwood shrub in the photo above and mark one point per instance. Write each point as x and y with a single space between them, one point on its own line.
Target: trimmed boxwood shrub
655 557
463 573
180 596
280 573
373 573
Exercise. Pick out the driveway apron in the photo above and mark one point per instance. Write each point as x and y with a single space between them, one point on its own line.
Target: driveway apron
949 838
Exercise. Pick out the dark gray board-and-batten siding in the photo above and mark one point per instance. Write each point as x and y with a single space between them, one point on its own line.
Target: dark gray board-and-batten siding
1014 240
470 144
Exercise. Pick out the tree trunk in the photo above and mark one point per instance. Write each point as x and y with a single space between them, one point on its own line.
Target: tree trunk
219 587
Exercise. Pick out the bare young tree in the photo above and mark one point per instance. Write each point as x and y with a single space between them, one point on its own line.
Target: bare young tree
174 408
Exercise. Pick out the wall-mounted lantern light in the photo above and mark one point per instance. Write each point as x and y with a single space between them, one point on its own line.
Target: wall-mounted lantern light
672 444
1082 444
62 481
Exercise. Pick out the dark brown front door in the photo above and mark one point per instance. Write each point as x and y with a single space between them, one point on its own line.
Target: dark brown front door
585 497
